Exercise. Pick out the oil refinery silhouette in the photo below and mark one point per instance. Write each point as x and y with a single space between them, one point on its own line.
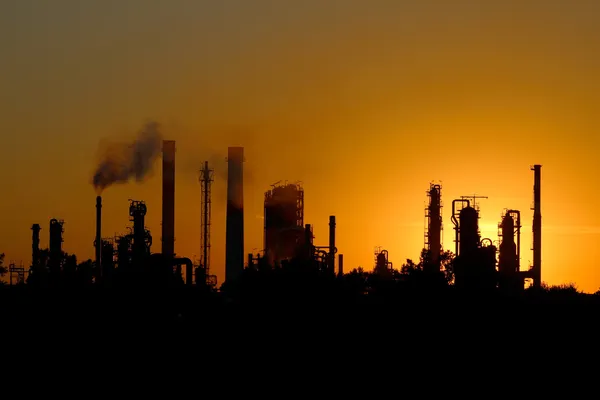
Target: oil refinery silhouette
292 267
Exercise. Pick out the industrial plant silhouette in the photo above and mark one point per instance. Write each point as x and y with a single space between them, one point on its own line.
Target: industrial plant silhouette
292 267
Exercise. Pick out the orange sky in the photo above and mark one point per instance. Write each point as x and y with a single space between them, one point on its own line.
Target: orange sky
365 102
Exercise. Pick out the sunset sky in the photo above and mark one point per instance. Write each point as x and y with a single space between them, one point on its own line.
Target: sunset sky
365 102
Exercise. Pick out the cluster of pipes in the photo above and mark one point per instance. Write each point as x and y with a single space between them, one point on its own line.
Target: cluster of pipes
308 253
133 250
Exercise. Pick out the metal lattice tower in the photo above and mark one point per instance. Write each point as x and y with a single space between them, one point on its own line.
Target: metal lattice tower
206 178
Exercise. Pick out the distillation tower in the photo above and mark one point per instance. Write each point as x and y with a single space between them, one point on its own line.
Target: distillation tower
55 246
433 227
383 266
510 277
284 221
142 240
475 262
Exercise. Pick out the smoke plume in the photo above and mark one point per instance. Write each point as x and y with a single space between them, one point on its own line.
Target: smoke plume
122 162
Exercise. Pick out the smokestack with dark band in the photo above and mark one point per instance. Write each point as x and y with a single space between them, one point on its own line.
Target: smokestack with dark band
99 235
124 161
234 235
168 198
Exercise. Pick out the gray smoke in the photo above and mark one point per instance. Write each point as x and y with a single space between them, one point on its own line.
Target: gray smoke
122 162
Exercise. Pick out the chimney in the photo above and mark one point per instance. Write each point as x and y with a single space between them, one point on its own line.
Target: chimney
35 245
332 244
234 235
168 198
537 226
98 242
341 265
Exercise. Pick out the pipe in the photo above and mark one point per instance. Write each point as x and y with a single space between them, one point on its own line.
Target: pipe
517 213
455 221
340 265
98 242
486 240
332 244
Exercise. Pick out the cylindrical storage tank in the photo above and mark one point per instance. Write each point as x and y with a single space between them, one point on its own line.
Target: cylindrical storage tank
469 230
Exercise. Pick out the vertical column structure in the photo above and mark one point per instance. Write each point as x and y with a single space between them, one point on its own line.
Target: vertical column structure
98 242
55 246
35 245
332 244
433 234
341 265
206 178
234 235
537 226
168 198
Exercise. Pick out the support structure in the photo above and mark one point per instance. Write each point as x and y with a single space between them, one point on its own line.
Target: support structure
206 178
17 274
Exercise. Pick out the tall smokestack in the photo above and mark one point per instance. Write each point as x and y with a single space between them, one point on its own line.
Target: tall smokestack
168 198
234 240
332 244
99 235
35 245
537 226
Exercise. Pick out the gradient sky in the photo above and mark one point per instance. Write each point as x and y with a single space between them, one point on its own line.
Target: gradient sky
366 102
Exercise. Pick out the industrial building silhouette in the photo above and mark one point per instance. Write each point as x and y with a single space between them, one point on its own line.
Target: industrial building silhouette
129 260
